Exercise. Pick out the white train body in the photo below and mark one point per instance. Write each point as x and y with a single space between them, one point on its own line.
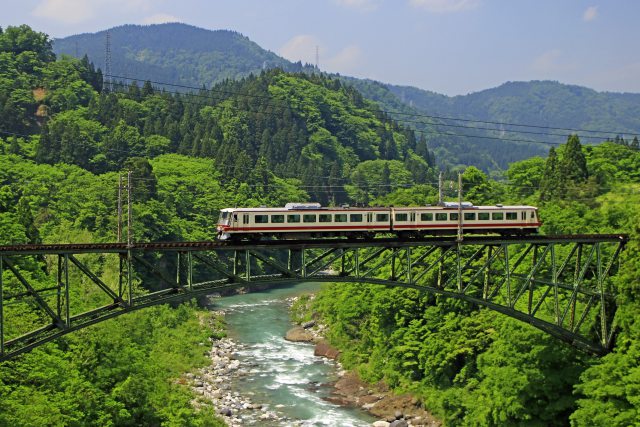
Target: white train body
298 220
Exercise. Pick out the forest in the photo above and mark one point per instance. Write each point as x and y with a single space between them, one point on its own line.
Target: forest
268 139
191 57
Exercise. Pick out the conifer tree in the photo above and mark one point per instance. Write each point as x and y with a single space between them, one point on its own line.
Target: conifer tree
573 166
549 187
635 144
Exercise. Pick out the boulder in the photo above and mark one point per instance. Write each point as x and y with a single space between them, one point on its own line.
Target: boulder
381 423
298 334
323 349
399 423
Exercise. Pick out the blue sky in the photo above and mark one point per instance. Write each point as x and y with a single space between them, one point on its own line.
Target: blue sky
447 46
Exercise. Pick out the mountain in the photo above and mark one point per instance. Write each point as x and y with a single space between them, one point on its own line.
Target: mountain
176 53
544 103
186 55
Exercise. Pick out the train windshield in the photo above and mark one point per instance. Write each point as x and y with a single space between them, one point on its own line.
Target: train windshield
224 218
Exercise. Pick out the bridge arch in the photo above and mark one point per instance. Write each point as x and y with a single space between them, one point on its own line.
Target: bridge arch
559 285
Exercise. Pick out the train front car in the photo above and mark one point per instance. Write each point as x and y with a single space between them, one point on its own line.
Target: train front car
226 223
302 220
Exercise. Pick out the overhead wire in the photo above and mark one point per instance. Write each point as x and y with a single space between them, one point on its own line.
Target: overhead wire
401 113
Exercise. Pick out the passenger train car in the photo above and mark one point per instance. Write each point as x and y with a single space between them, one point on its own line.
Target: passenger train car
304 220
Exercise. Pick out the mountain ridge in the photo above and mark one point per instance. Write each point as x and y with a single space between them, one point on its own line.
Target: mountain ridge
183 54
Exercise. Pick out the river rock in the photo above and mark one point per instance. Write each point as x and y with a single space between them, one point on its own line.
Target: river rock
225 411
323 349
399 423
309 324
398 415
298 334
381 423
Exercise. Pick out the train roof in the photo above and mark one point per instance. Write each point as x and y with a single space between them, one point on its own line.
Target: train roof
374 208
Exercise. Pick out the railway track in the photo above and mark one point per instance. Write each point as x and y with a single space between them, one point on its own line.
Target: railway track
299 244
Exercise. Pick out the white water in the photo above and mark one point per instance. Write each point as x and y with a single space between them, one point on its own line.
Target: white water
283 375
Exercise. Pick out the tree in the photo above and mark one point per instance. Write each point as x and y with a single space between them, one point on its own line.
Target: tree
476 187
573 166
550 184
17 40
635 144
145 181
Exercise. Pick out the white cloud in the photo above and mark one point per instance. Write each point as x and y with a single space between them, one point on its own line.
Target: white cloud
77 11
551 63
301 48
364 5
65 11
590 14
160 18
445 6
345 61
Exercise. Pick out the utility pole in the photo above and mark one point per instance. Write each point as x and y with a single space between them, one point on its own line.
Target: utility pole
106 79
440 189
459 206
120 210
129 212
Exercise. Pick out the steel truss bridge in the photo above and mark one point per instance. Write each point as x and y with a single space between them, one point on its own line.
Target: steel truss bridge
559 284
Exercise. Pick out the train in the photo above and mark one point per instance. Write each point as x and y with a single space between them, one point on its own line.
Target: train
311 220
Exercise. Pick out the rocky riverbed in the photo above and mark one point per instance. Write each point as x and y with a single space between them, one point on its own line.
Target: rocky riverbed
259 378
213 384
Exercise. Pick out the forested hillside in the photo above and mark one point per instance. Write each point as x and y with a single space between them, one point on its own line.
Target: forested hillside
175 53
186 55
545 104
475 367
262 140
268 139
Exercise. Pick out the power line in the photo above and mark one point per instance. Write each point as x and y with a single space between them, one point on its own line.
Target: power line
423 132
401 113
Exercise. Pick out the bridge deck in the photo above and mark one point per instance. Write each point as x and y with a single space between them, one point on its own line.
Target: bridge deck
77 248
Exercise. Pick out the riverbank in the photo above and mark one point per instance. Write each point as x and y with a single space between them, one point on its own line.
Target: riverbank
213 385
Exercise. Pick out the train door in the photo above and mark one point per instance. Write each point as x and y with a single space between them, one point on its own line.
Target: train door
412 219
243 220
369 217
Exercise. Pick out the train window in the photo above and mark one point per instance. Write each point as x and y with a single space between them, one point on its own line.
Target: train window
533 214
382 217
426 216
413 217
402 217
277 219
523 215
512 215
261 219
441 216
340 218
469 216
483 216
309 218
324 217
293 218
245 218
497 216
355 218
453 216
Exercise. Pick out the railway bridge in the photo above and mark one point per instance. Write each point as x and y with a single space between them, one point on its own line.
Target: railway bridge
559 284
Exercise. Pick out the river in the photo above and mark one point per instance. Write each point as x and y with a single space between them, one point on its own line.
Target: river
285 376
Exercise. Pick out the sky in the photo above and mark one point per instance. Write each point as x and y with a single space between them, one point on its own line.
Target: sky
452 47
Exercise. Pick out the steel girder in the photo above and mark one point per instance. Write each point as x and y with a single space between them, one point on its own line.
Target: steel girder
559 285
